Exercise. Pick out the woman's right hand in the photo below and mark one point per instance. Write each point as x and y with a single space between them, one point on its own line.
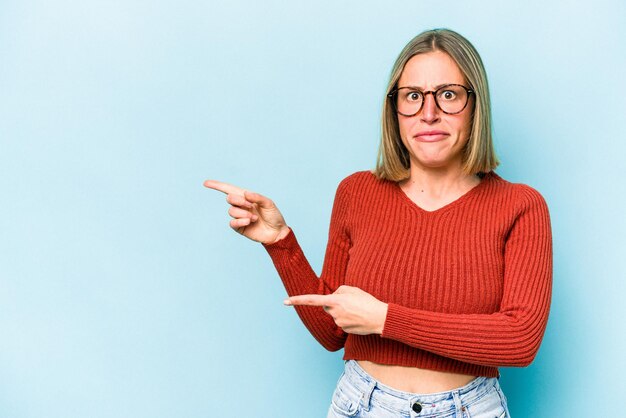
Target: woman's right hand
255 216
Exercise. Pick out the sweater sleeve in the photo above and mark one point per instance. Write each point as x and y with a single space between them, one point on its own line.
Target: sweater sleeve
299 278
511 336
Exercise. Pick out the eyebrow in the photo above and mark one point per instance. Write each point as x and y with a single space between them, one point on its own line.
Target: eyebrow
421 89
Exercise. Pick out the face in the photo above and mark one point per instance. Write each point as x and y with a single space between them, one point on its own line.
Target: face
449 133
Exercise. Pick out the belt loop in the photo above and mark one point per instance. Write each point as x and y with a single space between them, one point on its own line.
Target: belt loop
367 395
457 403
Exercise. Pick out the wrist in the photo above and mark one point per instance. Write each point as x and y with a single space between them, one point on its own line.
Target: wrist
383 317
282 234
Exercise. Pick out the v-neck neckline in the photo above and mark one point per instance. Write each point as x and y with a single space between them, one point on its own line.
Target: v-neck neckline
486 178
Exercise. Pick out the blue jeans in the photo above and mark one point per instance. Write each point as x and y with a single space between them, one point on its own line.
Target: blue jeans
360 395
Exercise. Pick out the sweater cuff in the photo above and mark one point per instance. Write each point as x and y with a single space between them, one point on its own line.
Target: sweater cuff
396 323
289 242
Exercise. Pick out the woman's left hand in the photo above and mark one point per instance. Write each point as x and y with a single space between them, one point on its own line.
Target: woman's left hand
353 310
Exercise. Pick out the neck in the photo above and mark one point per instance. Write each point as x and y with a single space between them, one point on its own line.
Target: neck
437 182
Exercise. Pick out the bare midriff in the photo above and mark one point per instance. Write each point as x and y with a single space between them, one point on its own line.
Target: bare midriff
413 379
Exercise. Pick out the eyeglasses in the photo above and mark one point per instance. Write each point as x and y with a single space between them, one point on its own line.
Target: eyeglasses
451 99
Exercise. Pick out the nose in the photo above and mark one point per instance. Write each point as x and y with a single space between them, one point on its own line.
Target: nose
430 111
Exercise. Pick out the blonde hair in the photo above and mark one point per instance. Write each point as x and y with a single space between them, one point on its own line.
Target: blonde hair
479 156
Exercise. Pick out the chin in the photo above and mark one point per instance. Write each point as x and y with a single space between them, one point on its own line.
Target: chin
435 163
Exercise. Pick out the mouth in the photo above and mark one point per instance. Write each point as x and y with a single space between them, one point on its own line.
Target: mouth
431 136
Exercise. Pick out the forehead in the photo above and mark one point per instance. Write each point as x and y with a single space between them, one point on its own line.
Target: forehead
429 70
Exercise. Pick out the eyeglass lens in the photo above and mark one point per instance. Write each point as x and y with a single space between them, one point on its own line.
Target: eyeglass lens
450 99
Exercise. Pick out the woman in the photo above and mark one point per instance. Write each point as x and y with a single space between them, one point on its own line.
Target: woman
437 270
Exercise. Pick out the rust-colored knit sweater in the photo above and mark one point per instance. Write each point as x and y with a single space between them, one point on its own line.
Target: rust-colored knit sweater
468 285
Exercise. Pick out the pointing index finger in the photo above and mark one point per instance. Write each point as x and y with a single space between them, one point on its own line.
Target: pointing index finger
223 187
310 300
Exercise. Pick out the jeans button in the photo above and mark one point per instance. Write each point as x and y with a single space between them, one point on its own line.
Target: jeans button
417 407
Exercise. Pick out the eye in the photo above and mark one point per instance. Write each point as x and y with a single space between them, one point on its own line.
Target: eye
413 96
447 95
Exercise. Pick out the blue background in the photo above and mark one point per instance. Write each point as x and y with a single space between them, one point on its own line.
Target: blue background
123 291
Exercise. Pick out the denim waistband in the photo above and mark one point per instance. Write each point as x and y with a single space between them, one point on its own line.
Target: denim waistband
437 402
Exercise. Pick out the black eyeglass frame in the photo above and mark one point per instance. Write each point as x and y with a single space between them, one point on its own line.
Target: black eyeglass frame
433 92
